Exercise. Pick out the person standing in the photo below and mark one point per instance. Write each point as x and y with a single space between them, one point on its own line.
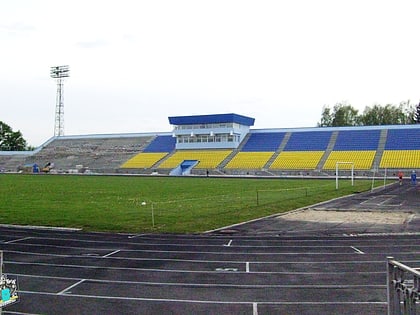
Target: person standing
400 177
413 178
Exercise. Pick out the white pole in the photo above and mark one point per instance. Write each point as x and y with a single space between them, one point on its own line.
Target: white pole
153 216
336 175
385 178
373 179
352 174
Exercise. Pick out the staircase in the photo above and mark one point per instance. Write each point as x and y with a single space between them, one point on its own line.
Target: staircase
327 152
280 148
380 149
234 152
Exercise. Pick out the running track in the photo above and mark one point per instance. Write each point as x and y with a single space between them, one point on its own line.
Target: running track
71 272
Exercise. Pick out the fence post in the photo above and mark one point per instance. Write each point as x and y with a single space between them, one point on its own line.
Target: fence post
390 286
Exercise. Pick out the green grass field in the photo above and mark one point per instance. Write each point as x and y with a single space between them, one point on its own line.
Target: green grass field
178 205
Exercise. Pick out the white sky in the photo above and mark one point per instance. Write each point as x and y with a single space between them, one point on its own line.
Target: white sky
134 63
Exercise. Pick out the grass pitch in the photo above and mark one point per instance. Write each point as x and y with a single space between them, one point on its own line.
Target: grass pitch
155 204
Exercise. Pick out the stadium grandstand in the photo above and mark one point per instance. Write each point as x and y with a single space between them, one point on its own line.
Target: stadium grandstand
225 144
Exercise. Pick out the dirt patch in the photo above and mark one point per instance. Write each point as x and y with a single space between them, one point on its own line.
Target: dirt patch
348 216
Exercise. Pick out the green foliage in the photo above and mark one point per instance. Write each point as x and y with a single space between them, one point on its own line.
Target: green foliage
180 205
11 140
344 114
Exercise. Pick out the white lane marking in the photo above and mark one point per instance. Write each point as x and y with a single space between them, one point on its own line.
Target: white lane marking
18 240
201 271
227 269
254 309
137 235
71 287
229 243
357 250
107 297
299 243
112 253
204 285
247 266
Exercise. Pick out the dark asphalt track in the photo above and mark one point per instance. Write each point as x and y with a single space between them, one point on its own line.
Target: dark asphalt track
241 270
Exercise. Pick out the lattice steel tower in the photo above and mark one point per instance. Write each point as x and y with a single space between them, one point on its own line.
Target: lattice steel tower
59 73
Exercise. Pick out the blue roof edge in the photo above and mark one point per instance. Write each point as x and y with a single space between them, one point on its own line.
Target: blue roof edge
211 119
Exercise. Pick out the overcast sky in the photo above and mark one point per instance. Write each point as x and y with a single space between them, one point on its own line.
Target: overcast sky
134 63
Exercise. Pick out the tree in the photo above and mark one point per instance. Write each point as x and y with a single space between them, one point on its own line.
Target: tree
345 115
326 118
342 114
418 114
11 140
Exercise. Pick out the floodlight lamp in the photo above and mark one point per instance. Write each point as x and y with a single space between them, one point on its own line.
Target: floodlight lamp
59 72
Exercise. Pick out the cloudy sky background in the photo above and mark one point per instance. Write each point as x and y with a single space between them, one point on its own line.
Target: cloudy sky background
134 63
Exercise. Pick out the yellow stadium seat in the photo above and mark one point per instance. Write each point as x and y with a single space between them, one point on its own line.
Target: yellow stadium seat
400 159
362 160
251 160
143 160
297 160
206 158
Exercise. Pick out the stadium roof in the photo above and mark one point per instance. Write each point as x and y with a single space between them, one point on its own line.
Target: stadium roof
211 119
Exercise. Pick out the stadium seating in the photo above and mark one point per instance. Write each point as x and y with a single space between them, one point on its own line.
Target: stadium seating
362 160
263 142
297 160
144 160
357 140
308 141
161 144
400 159
357 146
97 153
249 160
207 158
265 152
402 149
403 139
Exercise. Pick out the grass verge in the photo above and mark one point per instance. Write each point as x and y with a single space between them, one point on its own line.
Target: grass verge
155 204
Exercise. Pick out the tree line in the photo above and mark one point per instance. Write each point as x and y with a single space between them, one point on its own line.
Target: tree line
11 140
343 114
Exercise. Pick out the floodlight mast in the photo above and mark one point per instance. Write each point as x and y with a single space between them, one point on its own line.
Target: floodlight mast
59 73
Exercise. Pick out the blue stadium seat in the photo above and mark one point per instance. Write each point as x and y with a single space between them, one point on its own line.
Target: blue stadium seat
357 140
161 144
263 142
308 141
403 139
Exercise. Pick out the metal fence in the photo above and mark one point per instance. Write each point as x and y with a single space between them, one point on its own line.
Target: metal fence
403 288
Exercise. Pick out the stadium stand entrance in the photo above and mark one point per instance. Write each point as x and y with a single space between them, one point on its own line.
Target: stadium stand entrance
184 168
